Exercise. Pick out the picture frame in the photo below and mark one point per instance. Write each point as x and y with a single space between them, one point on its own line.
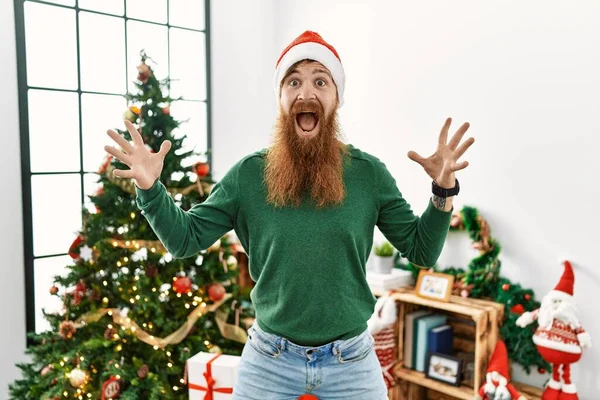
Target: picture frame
444 368
434 286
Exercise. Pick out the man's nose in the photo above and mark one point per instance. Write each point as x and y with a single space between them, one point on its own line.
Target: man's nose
306 93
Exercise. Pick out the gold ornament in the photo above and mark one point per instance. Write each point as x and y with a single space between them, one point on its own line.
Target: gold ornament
78 378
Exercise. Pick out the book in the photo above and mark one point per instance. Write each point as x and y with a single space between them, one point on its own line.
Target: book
423 325
439 340
409 326
396 279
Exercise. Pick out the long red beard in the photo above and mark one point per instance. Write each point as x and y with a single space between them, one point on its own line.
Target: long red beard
296 165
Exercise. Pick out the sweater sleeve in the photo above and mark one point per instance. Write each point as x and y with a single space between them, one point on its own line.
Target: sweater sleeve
419 239
185 233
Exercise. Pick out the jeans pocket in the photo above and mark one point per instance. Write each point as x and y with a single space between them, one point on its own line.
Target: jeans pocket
262 345
356 349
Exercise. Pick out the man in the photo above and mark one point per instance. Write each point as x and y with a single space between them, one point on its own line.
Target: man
305 210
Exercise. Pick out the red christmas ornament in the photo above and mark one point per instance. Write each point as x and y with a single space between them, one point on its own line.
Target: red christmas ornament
542 370
527 297
182 284
201 169
111 389
518 309
216 291
166 110
74 246
505 287
53 289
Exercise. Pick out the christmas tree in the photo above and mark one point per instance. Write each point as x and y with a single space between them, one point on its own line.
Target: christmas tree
132 314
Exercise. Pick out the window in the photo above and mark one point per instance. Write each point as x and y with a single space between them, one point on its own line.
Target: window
76 61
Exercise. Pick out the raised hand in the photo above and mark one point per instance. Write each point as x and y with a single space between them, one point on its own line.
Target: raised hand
443 163
145 166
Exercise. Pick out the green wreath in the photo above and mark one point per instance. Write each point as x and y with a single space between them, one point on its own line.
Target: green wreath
482 279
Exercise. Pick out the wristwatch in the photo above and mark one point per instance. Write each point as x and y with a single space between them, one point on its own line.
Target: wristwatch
441 192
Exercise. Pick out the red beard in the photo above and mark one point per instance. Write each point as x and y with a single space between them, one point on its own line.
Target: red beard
296 165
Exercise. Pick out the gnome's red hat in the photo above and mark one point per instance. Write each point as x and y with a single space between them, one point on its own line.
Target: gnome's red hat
564 288
311 46
499 361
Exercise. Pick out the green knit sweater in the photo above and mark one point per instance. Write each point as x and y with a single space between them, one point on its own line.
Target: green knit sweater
308 263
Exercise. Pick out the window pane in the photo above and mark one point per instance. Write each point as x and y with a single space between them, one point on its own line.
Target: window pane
50 46
102 50
187 13
63 2
56 212
188 64
91 186
99 113
107 6
195 129
151 38
154 10
53 131
44 271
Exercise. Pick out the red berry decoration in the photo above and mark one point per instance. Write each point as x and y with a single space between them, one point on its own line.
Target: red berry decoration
527 297
182 284
216 291
53 289
202 169
518 309
542 370
505 287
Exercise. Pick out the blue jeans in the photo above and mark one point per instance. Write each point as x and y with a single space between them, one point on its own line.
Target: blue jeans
273 368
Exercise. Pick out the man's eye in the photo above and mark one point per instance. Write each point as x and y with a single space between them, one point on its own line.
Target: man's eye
320 82
294 82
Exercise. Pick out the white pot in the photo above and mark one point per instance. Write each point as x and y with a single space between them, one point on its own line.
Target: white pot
383 265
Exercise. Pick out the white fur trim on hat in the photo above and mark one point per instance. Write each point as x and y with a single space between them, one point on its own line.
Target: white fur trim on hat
560 295
316 52
552 384
570 388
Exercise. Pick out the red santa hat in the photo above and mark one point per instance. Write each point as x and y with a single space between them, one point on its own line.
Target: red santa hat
564 288
311 46
499 361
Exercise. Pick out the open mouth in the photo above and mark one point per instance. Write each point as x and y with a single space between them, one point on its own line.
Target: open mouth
307 121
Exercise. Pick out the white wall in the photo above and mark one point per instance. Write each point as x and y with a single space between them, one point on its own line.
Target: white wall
12 295
243 60
525 75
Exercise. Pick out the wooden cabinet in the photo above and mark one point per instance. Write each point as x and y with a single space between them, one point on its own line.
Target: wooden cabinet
486 317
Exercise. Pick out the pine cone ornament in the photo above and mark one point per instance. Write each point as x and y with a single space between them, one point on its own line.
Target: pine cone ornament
151 271
143 371
66 329
109 333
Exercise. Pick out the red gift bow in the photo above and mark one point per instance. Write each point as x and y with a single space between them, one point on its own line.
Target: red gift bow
210 382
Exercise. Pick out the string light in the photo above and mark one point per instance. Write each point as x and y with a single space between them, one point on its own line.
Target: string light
125 259
119 263
127 243
169 365
132 215
105 283
115 244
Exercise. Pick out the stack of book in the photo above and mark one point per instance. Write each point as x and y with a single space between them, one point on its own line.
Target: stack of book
426 332
382 282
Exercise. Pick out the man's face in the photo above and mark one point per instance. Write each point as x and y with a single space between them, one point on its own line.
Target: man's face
309 95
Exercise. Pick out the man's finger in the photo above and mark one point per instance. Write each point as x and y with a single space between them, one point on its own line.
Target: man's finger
123 173
135 135
124 158
458 136
164 148
459 166
463 147
444 132
125 145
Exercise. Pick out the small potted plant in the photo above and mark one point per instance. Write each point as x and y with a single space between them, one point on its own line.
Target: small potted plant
384 260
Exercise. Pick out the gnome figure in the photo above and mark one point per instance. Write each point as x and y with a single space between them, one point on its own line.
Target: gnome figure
497 385
560 336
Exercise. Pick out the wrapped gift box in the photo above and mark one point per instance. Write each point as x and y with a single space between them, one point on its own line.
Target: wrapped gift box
212 372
